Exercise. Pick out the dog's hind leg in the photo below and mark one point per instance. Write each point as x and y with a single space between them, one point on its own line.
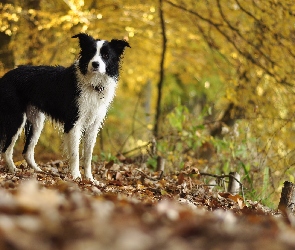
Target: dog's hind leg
11 137
33 129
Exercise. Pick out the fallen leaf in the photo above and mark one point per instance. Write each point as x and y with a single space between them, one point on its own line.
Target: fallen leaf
180 179
109 164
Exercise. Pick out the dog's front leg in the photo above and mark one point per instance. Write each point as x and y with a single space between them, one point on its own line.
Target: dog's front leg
89 142
71 141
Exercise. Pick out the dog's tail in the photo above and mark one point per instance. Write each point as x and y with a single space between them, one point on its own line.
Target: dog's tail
11 113
2 141
10 126
3 123
3 134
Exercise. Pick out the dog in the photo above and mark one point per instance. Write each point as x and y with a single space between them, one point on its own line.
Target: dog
77 97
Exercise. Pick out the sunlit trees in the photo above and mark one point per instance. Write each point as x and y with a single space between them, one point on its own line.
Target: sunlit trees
229 61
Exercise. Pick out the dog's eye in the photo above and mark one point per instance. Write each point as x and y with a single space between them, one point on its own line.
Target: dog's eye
105 56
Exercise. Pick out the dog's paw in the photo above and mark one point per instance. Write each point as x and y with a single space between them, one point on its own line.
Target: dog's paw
37 169
97 183
76 176
89 177
12 170
91 180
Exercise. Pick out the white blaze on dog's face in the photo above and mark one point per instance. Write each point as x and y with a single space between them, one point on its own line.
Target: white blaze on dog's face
97 64
99 57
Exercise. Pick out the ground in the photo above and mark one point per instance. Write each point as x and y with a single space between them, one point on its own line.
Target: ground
128 208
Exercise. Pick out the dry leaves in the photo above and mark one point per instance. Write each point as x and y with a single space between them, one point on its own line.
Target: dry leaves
129 210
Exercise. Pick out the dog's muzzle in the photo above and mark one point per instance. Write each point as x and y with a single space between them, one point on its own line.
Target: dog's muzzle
95 66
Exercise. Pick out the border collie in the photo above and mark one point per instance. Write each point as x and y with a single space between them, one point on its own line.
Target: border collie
77 97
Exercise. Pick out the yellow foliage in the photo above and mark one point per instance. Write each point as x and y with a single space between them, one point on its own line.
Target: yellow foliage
232 51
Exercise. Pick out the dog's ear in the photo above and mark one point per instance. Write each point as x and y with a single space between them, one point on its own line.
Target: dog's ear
84 39
119 46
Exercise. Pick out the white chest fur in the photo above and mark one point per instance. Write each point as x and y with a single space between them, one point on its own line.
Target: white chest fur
93 104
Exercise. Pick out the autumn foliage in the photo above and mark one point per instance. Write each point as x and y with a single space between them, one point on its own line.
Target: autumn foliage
224 72
130 209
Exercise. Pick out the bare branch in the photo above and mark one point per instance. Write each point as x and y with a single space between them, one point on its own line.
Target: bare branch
241 36
226 176
245 54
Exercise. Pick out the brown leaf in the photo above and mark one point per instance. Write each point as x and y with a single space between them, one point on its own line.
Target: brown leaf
109 164
236 198
121 157
119 176
115 182
180 179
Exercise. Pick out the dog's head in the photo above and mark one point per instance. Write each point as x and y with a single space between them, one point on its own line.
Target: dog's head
100 56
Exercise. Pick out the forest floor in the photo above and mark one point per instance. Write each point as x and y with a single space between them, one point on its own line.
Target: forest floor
130 209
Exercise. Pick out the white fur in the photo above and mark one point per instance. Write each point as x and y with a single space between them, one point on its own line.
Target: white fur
93 106
37 119
9 152
97 58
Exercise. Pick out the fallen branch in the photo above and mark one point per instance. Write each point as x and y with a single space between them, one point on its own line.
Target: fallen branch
226 176
149 177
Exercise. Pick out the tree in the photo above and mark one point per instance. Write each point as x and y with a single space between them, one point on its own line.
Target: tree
161 69
233 58
5 52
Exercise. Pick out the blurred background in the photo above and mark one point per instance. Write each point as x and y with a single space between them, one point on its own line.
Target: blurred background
208 84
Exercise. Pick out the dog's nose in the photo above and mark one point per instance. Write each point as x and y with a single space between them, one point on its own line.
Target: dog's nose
95 65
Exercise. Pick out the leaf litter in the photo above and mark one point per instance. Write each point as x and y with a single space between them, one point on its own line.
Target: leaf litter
130 208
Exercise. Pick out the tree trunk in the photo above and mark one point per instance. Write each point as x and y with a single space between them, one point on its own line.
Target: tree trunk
161 79
33 35
287 200
6 54
234 185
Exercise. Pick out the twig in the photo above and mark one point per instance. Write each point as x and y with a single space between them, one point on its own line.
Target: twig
137 148
221 29
149 177
228 176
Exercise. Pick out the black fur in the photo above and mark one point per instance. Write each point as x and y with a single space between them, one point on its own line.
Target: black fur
28 135
111 53
53 90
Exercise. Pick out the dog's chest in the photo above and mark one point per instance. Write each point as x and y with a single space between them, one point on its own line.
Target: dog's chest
93 103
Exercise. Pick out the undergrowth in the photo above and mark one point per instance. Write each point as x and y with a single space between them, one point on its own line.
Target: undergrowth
187 142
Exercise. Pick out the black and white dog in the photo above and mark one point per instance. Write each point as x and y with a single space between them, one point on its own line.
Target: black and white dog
77 97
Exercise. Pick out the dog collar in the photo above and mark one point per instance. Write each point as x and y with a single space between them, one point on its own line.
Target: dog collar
99 88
